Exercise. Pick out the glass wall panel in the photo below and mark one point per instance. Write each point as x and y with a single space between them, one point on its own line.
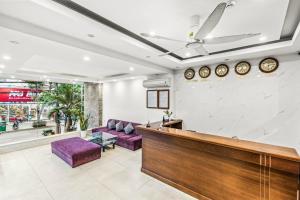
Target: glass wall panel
30 110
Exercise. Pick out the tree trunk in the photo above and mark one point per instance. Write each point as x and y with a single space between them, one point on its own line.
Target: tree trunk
38 113
69 124
57 123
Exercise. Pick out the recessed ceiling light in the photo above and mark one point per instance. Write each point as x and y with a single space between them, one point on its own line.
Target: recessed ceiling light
131 68
2 66
187 54
76 79
114 80
6 57
12 77
209 36
132 78
44 76
0 72
91 35
14 42
86 58
48 80
263 38
152 33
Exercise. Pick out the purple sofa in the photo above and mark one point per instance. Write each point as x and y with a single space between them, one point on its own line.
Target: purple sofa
76 151
133 141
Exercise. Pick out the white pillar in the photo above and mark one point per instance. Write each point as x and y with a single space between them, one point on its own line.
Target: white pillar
93 103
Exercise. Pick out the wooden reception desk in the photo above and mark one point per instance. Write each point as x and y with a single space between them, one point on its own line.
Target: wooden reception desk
211 167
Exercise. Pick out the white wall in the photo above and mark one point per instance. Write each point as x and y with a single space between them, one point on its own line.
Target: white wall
257 106
126 100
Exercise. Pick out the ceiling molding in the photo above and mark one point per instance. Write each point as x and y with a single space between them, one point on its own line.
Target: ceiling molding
290 25
37 31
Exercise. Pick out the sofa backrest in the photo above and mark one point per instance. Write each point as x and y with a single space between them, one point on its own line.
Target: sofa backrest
125 124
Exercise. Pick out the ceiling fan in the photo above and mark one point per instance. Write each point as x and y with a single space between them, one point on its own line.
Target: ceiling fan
201 36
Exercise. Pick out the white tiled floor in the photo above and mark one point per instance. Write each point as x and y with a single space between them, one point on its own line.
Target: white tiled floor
37 174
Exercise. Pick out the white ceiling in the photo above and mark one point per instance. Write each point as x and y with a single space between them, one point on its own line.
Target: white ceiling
172 18
53 39
36 57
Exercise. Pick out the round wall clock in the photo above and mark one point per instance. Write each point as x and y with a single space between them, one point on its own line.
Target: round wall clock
189 73
204 72
242 68
268 65
222 70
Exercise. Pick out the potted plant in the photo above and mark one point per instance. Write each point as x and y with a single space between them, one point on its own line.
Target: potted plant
84 123
168 114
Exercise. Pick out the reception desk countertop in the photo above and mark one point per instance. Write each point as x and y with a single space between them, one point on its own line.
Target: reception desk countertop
276 151
211 167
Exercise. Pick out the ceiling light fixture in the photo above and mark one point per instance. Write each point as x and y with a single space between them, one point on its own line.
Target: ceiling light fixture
13 77
48 80
86 58
114 80
131 68
209 36
6 57
263 38
187 54
44 76
1 72
152 33
2 66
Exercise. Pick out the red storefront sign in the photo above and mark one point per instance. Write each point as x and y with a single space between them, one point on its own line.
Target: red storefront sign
17 94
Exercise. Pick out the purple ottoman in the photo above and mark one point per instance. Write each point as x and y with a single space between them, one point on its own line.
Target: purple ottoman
76 151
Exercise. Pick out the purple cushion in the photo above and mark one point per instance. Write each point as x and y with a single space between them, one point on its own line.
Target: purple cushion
100 129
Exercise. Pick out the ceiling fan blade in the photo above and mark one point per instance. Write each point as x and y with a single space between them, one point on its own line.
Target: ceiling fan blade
161 37
211 22
232 38
169 52
201 50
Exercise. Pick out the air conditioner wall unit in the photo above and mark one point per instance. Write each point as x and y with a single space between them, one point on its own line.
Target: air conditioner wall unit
157 83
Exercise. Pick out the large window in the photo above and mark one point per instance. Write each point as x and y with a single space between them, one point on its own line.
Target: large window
30 110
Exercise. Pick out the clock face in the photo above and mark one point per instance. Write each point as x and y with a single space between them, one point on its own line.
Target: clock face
268 65
189 73
242 68
222 70
204 72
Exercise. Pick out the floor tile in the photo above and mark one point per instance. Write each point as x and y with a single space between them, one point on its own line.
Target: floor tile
37 174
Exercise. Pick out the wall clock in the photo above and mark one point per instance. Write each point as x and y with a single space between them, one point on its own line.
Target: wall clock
268 65
204 72
242 68
189 73
222 70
